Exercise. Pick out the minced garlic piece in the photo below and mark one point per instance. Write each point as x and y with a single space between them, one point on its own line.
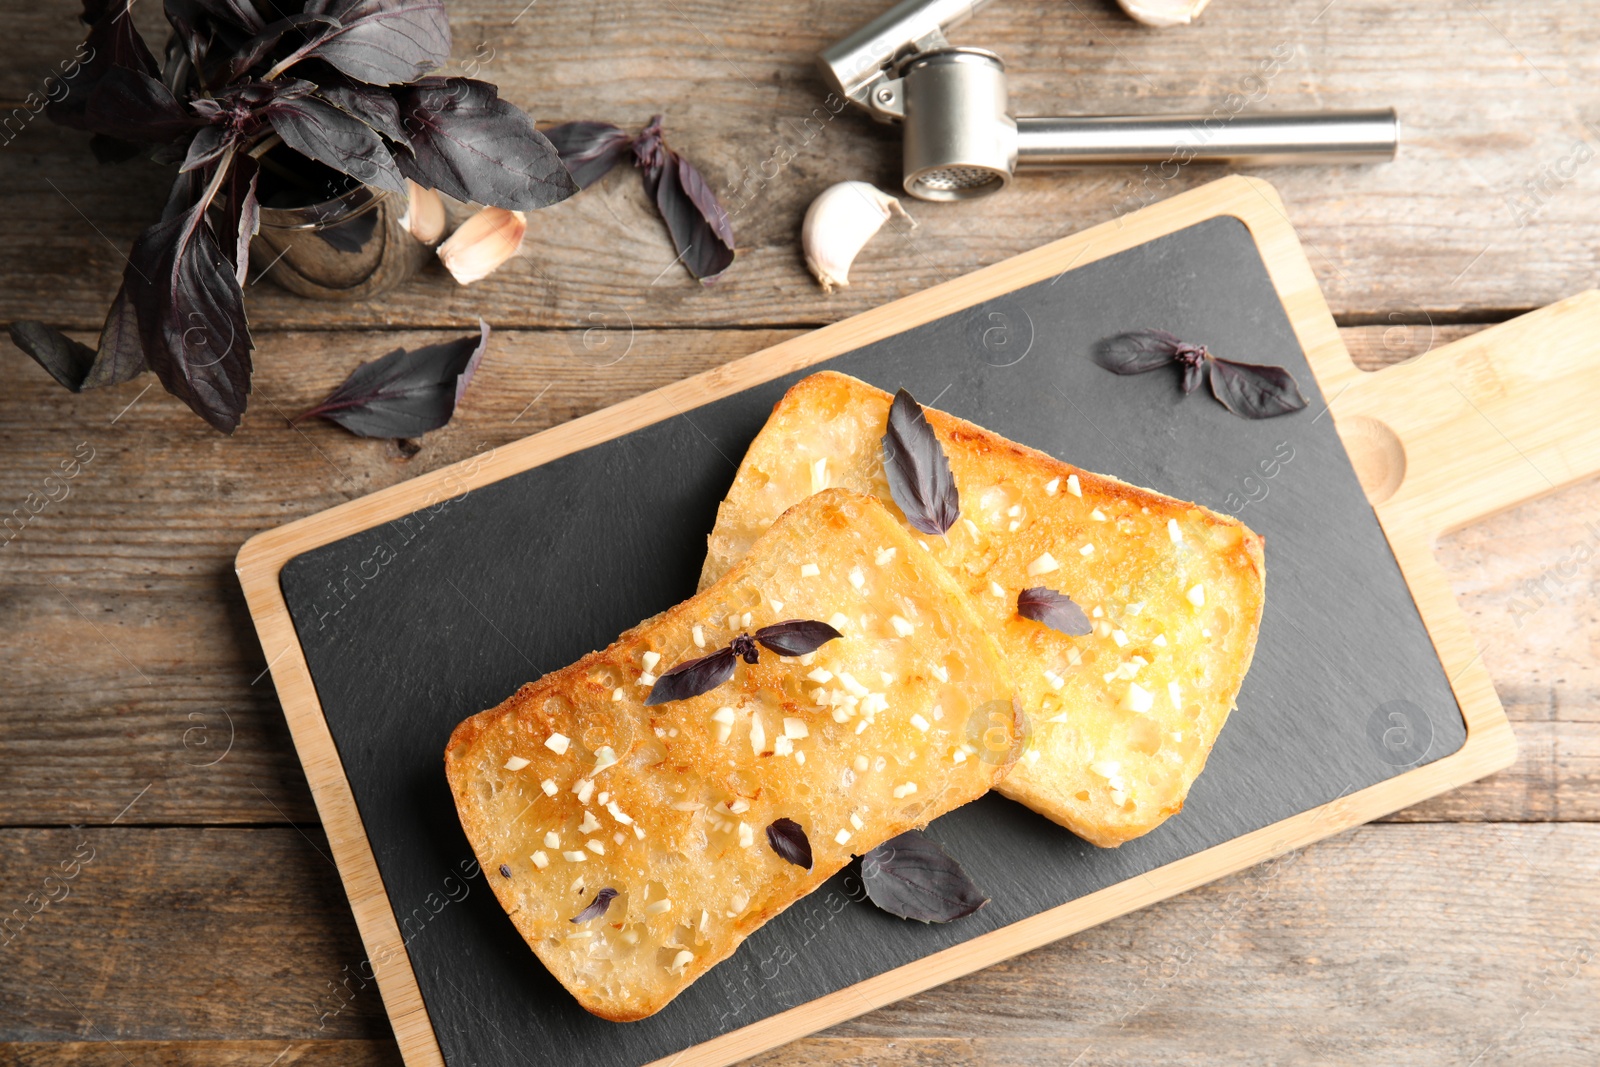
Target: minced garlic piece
819 475
1043 565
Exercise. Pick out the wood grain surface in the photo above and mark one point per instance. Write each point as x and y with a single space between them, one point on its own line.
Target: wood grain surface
209 929
1486 210
1425 944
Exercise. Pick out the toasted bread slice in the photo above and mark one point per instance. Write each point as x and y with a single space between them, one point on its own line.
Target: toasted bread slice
873 734
1122 720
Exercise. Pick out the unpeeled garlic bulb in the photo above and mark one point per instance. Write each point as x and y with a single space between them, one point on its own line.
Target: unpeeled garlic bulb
482 243
838 225
424 215
1164 12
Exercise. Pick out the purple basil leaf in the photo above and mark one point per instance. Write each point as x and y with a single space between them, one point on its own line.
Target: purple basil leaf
334 137
796 637
369 103
589 149
789 841
113 43
191 309
597 907
702 235
236 19
917 468
1055 610
189 44
132 106
1194 372
295 27
1137 352
244 212
1254 391
207 145
468 143
698 225
705 201
66 360
912 877
693 677
121 354
173 153
208 34
76 365
405 393
383 42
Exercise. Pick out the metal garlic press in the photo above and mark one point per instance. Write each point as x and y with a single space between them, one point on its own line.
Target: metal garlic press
961 141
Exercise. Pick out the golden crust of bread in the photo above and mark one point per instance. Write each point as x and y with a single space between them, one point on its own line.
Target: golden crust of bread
891 742
1121 720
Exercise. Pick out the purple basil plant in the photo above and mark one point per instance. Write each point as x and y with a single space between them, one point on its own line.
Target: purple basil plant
343 83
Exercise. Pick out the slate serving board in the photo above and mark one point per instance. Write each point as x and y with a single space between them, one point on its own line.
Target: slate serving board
411 626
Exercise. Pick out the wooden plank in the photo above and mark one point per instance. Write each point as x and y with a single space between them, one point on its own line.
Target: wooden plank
160 933
143 545
202 1054
1485 210
1354 950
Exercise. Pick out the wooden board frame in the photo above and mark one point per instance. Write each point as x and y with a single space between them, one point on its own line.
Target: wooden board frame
1372 421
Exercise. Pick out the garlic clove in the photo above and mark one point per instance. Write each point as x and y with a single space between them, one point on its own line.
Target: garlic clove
424 215
1164 12
838 225
482 243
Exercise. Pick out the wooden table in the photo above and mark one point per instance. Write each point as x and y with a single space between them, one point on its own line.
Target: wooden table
143 747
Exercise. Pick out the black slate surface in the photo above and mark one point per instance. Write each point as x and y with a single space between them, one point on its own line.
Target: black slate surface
410 627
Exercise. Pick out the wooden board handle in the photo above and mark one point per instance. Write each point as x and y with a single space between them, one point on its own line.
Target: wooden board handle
1480 425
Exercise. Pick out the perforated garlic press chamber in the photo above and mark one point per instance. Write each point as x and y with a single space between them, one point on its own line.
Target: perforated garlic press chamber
961 141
